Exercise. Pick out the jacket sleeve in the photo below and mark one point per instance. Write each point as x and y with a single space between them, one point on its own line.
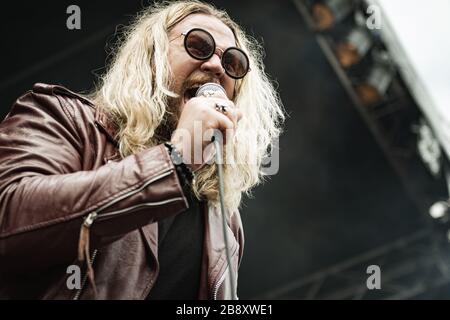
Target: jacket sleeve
45 194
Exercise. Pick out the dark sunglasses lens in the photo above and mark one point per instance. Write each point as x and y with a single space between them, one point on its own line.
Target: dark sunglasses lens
199 44
235 63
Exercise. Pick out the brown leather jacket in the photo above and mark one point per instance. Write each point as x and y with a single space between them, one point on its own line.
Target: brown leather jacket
58 164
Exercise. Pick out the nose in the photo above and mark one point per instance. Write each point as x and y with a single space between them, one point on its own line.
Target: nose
213 66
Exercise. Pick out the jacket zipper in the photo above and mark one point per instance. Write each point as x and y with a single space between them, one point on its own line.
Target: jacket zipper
126 195
133 208
89 220
83 283
219 283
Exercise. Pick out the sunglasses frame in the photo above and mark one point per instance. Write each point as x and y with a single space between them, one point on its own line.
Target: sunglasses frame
186 34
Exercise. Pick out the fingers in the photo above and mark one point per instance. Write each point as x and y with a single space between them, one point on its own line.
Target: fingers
216 118
219 98
223 122
235 114
232 112
229 110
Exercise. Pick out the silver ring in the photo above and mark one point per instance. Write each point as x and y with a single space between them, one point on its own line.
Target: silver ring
221 108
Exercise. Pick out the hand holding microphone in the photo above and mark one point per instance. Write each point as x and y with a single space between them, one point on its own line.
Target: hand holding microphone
209 109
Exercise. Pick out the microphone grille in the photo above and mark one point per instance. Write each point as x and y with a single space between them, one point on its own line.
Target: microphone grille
209 86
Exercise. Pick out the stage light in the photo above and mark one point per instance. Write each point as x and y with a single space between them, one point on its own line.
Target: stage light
428 147
354 47
327 13
374 87
439 210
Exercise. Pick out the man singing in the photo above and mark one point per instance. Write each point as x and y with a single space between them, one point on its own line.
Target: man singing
119 185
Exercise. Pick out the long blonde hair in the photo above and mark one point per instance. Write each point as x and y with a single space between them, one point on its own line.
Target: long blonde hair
135 92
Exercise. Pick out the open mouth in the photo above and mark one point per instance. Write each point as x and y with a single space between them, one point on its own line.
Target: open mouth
190 92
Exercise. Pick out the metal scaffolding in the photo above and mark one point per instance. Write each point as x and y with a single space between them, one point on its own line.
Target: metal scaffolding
416 264
409 267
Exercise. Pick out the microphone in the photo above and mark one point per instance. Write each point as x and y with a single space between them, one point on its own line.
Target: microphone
207 90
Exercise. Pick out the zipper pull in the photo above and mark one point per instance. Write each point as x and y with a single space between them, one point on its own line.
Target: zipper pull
83 243
83 247
90 219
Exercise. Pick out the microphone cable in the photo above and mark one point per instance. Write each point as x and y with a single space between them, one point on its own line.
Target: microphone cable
201 91
219 164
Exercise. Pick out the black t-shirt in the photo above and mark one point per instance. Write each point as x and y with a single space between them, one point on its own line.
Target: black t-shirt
180 248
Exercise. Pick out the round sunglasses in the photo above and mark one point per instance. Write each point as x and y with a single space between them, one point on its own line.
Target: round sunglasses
200 45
